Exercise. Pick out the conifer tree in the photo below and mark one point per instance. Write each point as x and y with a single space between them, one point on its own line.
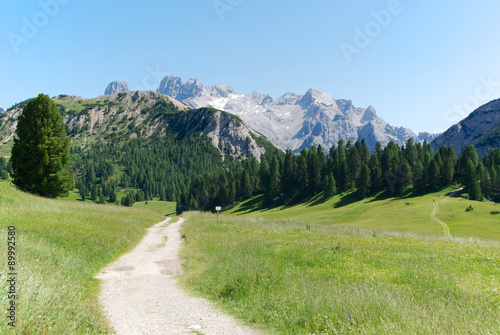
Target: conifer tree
364 183
274 176
474 190
40 155
329 187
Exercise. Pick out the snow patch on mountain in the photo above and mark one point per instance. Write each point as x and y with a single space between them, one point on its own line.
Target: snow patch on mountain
293 121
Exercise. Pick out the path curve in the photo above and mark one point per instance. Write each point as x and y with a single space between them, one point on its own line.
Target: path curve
444 225
139 292
435 210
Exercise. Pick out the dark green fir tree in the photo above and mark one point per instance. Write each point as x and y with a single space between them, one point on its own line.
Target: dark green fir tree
40 155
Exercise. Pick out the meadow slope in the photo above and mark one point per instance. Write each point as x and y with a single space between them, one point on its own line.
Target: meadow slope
341 267
60 246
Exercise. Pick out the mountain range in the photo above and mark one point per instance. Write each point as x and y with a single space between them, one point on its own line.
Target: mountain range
294 121
2 109
229 119
145 114
480 128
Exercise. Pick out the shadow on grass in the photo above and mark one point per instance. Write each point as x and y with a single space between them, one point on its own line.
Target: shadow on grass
255 204
317 200
347 199
259 204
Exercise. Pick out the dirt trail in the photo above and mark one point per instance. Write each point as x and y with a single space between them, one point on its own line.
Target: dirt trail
444 225
139 291
435 210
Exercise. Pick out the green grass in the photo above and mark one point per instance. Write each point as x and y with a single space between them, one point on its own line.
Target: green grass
289 278
60 247
478 222
6 149
162 207
407 214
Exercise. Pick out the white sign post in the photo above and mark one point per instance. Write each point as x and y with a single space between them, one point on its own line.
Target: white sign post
218 208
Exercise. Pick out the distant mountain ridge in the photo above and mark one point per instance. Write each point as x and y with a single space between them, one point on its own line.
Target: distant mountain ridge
146 114
116 87
481 128
293 121
2 109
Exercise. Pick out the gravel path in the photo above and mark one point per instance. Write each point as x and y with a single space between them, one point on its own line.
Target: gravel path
139 291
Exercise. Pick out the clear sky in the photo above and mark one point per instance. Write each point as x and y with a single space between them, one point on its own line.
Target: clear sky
422 64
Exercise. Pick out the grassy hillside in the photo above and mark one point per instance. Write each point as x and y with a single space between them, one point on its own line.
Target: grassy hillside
60 246
143 143
380 265
302 276
406 214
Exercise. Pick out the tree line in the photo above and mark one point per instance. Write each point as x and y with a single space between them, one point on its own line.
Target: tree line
412 168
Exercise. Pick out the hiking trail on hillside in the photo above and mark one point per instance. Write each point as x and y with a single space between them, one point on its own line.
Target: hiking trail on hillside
139 292
435 210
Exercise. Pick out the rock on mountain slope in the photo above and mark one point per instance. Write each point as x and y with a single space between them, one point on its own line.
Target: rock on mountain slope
293 121
481 128
116 87
145 114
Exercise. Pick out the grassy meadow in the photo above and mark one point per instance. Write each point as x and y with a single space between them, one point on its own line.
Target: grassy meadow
378 266
60 246
406 214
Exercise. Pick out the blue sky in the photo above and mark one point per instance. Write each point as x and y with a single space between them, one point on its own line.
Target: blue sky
422 64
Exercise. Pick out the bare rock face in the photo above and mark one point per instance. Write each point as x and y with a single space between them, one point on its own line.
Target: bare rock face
481 128
116 87
2 109
226 132
293 121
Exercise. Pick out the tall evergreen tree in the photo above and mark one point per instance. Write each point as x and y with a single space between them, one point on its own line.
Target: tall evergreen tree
474 190
314 170
288 173
341 175
274 176
364 183
40 155
329 187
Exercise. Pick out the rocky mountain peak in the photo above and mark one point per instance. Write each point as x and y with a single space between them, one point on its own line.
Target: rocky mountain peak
292 121
224 90
267 99
315 97
175 88
116 87
2 109
479 128
369 115
171 86
288 98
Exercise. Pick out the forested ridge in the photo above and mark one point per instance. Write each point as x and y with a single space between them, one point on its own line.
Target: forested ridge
142 168
410 169
136 147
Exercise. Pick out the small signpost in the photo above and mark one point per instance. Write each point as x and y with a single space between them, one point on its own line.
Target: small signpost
218 208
